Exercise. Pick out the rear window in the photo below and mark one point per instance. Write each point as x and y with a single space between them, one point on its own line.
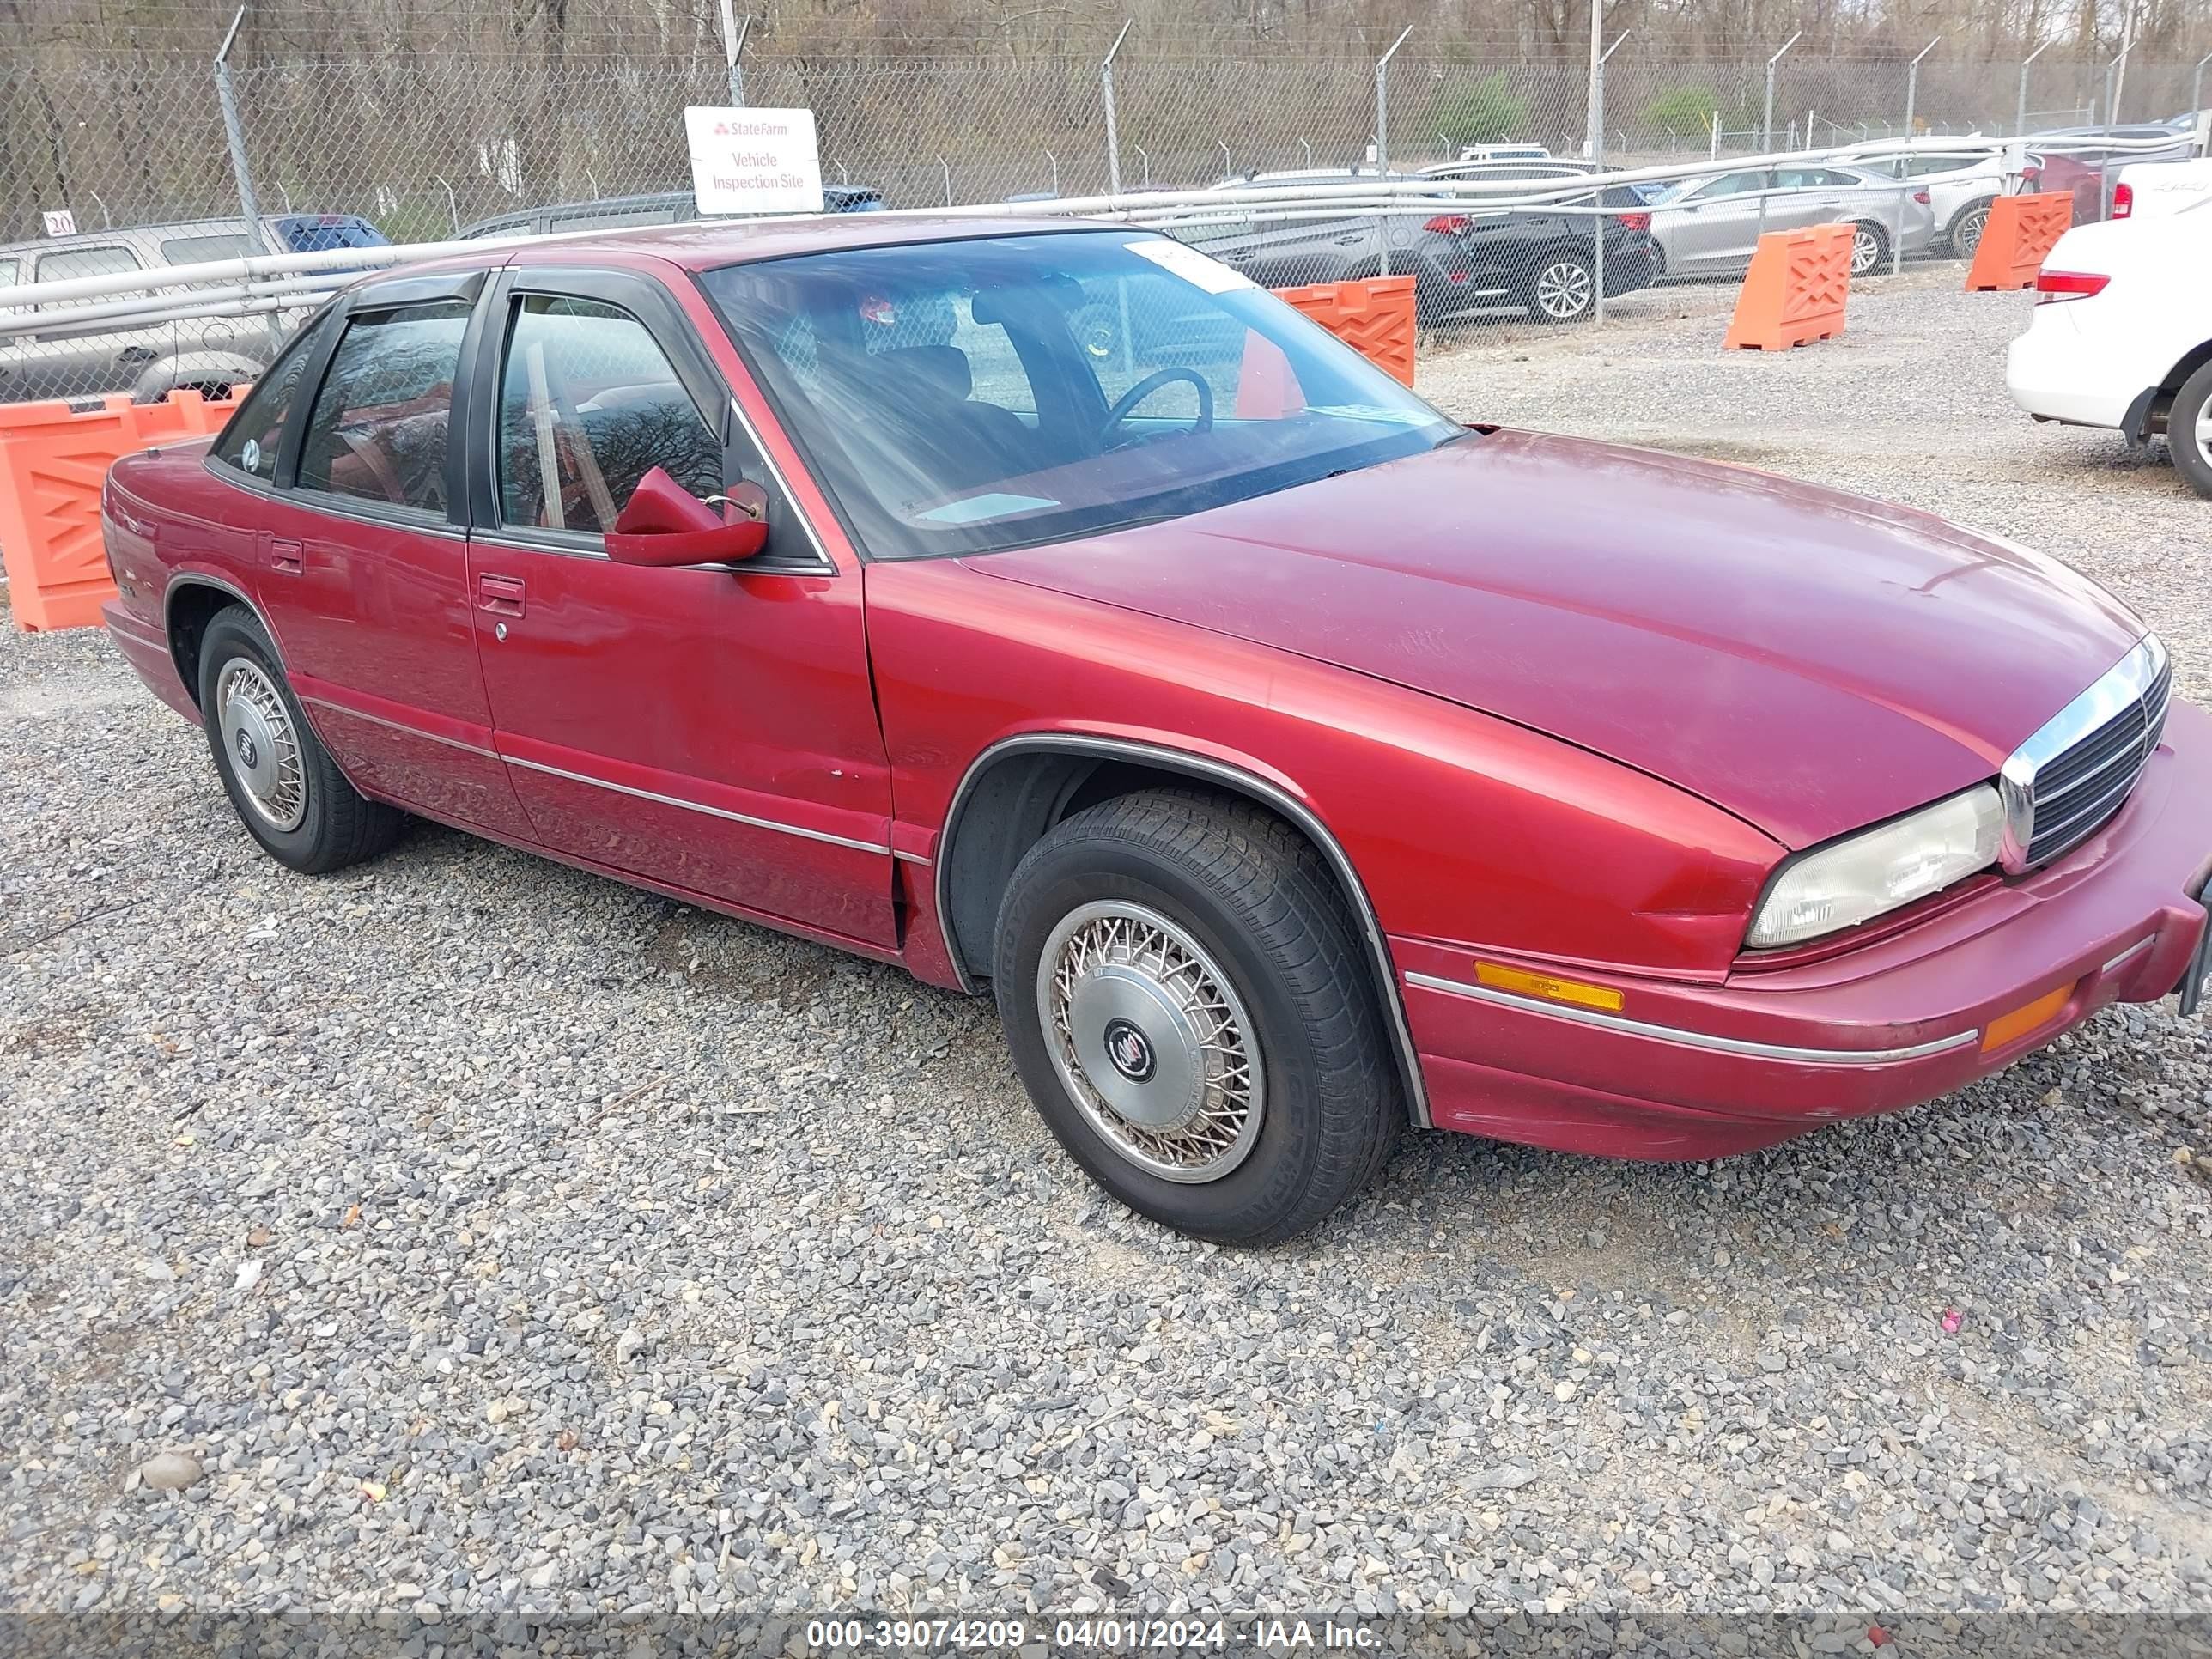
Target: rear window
198 250
86 262
308 234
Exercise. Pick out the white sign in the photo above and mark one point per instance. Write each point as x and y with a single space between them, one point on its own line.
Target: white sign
754 160
60 224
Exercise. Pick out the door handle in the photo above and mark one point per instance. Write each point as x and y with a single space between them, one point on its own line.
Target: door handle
501 595
284 557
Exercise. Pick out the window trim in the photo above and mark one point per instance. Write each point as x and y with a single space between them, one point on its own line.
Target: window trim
380 299
655 309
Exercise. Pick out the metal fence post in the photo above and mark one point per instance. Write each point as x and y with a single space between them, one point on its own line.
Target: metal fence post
1766 120
2020 110
1106 97
1597 161
733 47
1593 136
234 135
1382 135
1912 84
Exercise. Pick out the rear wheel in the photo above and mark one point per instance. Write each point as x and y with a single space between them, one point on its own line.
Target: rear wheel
1965 232
2189 431
1563 288
282 782
1870 247
1188 1007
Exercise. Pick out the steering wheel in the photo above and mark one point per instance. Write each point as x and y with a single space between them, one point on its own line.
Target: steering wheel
1127 402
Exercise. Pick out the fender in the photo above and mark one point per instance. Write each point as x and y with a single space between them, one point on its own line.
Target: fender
1244 782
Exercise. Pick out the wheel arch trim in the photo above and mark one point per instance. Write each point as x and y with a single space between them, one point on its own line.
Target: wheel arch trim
1241 781
183 579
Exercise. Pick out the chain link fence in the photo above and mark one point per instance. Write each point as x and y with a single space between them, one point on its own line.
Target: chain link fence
134 161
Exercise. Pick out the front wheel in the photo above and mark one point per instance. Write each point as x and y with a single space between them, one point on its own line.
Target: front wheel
281 782
1869 248
1189 1009
1563 288
2189 431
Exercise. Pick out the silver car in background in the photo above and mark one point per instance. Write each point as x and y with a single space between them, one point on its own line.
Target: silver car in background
1961 177
1711 226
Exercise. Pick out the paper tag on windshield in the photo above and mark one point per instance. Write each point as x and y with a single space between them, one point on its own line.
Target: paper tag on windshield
1191 265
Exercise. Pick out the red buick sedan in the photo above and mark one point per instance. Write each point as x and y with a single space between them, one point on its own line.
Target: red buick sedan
1043 606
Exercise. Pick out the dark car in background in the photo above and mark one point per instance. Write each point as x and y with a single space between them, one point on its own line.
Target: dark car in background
1467 256
667 207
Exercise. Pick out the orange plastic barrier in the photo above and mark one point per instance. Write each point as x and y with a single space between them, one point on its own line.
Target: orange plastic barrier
53 459
1376 316
1794 291
2021 231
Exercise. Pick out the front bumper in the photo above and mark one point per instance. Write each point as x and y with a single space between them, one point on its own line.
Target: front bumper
1699 1070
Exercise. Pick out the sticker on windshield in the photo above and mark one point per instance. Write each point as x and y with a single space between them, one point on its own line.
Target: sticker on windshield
976 507
1191 265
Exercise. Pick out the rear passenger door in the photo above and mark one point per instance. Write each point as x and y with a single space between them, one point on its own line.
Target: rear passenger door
365 556
711 728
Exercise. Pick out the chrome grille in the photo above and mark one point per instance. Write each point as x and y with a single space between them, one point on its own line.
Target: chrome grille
2074 774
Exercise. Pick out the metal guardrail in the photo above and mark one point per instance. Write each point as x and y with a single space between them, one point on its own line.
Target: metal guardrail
262 283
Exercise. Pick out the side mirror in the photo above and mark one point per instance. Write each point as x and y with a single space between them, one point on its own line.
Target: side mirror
665 523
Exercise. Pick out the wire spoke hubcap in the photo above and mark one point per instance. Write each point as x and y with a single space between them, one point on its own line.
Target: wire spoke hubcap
264 750
1152 1041
1564 289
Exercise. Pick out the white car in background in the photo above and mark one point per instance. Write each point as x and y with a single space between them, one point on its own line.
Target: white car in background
2121 336
1962 177
2152 190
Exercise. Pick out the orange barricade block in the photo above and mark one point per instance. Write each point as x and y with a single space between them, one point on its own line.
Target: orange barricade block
1794 291
53 459
2021 231
1375 316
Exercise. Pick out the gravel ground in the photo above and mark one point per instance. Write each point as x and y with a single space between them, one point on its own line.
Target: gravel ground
489 1239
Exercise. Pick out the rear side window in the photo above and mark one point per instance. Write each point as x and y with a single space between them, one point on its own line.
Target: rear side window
378 427
588 404
6 273
249 441
197 250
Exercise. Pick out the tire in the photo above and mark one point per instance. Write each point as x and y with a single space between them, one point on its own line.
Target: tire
282 784
2189 431
1124 922
1870 247
1561 287
1965 234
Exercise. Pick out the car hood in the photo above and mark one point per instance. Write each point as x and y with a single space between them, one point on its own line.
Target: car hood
1810 660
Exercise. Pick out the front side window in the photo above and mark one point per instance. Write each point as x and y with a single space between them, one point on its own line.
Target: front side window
589 404
962 397
379 424
249 440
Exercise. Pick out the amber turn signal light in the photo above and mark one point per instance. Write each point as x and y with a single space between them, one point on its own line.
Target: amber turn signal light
2022 1020
1498 974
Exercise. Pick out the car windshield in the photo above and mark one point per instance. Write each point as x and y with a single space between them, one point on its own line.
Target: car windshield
964 396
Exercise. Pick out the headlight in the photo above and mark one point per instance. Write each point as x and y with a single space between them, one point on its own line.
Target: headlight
1845 883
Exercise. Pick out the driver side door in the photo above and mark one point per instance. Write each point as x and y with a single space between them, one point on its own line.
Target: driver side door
710 729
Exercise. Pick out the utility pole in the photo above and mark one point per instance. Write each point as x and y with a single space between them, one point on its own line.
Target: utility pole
1767 121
